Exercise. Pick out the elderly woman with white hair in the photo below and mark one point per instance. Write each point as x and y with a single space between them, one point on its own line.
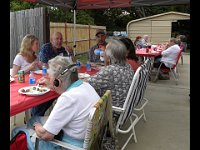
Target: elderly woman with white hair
144 41
117 76
71 111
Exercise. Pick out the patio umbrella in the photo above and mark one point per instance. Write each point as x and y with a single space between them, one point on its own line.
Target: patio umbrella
103 4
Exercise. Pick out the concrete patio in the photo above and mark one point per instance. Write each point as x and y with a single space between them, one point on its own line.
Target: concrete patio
167 113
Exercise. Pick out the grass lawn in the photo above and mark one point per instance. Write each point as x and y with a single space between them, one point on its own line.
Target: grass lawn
82 57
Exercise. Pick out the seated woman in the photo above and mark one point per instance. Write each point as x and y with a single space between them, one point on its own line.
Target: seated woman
117 76
138 42
71 111
145 41
131 57
168 55
26 59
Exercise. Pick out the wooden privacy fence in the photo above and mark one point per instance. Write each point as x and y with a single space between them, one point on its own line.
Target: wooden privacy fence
30 21
85 35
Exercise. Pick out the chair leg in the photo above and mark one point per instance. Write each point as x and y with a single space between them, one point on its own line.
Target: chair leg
135 138
182 59
14 121
133 129
158 71
175 75
144 116
37 144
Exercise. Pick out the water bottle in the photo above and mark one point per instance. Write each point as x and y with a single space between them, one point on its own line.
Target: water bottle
32 78
44 70
102 56
97 52
78 63
88 66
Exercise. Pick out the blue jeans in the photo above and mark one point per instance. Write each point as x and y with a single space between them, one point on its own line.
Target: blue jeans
43 145
40 110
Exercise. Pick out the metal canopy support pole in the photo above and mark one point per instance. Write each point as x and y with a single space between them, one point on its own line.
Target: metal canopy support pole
74 32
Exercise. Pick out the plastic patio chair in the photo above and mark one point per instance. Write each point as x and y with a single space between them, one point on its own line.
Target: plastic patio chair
134 103
173 69
100 116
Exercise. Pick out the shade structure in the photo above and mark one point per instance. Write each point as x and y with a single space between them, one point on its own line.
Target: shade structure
105 4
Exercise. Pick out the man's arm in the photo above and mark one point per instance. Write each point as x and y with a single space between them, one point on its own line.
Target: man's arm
43 56
70 52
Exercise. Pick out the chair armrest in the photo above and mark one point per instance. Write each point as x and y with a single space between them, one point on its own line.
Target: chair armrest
60 143
117 109
167 62
65 145
142 106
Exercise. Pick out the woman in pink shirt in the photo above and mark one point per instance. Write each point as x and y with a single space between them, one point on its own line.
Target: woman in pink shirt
131 56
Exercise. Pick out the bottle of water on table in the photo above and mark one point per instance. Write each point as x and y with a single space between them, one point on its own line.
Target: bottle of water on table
44 70
32 78
78 63
88 66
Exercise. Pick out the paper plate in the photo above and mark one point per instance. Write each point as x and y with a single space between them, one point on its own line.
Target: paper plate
38 72
33 90
83 75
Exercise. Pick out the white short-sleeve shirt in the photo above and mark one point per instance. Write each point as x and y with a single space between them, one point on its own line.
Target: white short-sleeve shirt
71 111
170 55
21 61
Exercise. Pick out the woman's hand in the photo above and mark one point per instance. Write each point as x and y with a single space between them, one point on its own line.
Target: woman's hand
45 81
39 129
32 66
42 133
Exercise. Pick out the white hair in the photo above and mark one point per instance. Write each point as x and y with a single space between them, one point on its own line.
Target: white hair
58 64
116 50
56 67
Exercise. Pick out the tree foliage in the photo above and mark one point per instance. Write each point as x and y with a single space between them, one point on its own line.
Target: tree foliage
16 5
113 19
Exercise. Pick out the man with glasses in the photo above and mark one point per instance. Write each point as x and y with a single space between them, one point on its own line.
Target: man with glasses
101 44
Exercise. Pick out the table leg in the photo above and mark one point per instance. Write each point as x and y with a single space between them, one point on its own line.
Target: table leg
27 116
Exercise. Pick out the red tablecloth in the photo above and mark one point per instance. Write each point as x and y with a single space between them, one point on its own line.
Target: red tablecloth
142 52
20 103
92 72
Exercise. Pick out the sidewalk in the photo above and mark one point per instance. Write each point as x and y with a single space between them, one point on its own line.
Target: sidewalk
167 113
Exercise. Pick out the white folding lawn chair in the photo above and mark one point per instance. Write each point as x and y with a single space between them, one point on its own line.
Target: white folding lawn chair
135 102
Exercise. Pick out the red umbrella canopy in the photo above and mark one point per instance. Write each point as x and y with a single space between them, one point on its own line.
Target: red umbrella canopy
104 4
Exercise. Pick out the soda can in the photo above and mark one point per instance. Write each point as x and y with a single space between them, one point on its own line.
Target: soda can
21 76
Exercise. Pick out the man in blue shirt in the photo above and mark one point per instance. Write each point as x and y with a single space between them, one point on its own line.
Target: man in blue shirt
54 48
